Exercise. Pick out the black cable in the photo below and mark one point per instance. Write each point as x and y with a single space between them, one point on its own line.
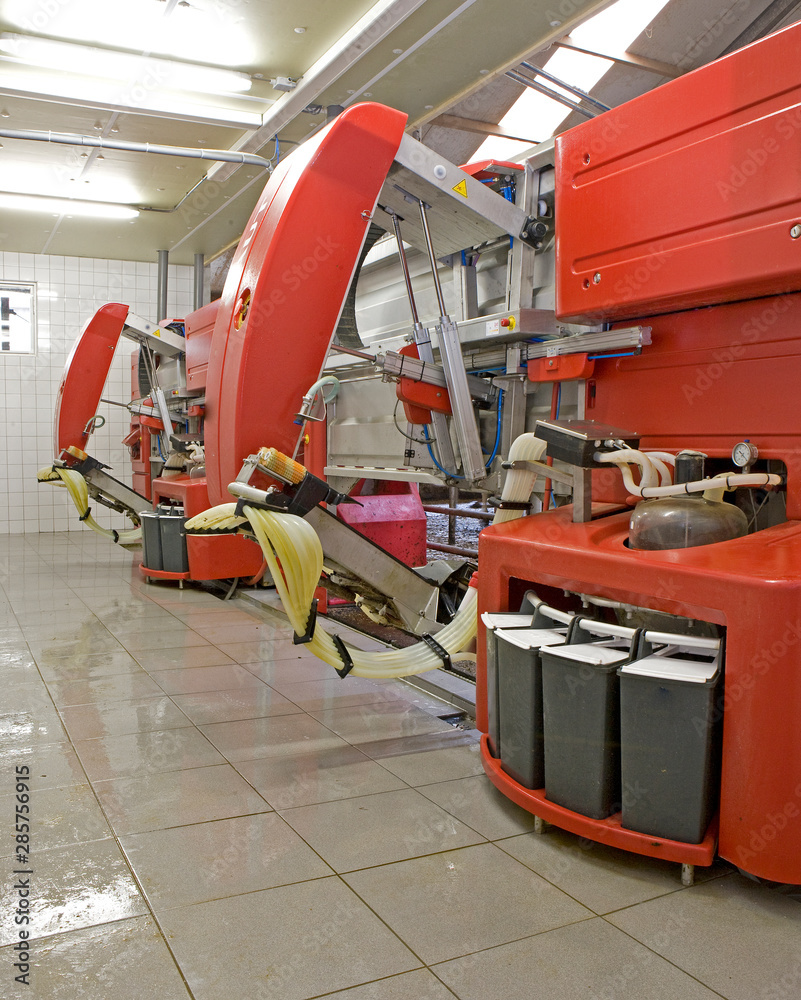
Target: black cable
409 437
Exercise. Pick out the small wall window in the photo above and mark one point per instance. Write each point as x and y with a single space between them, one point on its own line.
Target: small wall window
17 317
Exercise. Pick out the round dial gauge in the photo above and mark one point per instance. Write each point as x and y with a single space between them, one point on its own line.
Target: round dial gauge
744 454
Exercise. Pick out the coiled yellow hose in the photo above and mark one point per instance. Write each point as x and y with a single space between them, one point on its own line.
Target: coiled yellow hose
79 492
295 559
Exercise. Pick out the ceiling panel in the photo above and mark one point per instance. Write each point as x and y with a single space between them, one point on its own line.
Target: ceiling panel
426 58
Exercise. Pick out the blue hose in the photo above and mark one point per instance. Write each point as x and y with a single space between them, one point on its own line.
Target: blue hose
491 459
445 472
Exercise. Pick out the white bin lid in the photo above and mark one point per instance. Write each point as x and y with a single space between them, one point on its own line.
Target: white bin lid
532 638
672 668
506 619
598 653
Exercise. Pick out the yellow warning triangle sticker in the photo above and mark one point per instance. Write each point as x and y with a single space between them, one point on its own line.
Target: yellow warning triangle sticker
461 188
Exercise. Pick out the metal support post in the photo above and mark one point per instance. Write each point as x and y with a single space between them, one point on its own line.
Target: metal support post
582 495
514 409
455 375
198 296
161 302
453 501
468 288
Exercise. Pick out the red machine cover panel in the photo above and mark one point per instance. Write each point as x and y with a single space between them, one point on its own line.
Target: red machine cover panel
286 286
688 195
85 375
199 330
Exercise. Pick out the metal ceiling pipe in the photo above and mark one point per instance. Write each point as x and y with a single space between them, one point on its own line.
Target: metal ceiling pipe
161 304
198 299
542 89
69 139
582 95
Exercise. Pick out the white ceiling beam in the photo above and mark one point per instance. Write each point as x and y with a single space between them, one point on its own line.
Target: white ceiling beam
371 29
482 128
628 59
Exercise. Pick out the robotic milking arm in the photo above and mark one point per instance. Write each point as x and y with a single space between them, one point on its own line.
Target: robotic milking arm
247 373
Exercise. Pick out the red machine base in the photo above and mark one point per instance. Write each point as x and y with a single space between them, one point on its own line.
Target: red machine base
752 586
162 574
605 831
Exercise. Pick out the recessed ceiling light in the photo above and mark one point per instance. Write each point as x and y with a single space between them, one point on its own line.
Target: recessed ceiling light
368 93
483 72
300 31
121 67
4 114
64 206
429 107
397 52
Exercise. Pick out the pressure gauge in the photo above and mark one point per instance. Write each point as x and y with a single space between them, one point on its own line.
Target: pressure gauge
744 454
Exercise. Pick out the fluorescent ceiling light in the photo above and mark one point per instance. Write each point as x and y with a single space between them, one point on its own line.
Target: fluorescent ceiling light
48 178
64 206
213 31
123 67
69 88
613 30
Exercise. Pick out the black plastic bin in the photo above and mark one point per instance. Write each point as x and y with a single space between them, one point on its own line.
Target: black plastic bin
493 622
581 719
151 541
670 738
533 613
520 701
173 541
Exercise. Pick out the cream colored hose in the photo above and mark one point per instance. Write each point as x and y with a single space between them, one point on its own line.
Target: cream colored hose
79 492
295 558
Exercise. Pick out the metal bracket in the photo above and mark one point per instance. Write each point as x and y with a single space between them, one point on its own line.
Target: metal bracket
311 624
439 649
557 475
347 659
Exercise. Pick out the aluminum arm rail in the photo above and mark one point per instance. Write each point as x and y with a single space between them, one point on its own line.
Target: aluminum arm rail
417 370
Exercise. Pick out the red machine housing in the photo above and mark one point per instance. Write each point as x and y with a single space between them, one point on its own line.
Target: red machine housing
85 374
684 198
286 287
258 349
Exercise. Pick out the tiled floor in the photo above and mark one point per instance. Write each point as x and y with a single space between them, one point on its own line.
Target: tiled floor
215 814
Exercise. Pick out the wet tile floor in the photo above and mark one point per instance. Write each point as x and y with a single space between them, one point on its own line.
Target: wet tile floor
215 814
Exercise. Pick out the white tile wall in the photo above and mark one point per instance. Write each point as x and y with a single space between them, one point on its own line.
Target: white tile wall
69 292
